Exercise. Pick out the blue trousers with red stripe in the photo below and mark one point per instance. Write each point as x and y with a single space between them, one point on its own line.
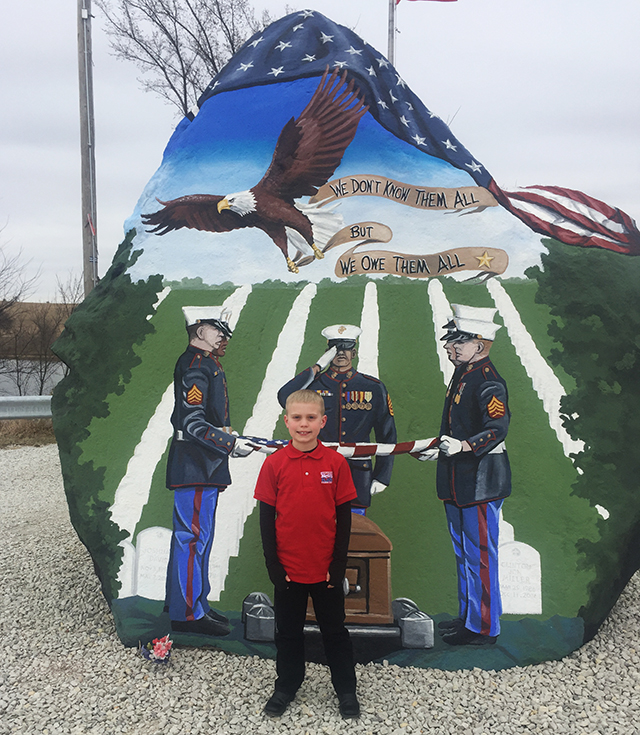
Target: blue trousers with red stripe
194 513
474 533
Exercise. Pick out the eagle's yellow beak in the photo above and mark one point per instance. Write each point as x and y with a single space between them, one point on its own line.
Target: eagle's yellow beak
223 204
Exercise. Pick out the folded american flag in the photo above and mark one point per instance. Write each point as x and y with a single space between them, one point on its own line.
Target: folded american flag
352 450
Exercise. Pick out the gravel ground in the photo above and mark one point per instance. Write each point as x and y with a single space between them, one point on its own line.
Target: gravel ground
63 670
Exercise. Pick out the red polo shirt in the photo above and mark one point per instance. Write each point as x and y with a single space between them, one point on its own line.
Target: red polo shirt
305 488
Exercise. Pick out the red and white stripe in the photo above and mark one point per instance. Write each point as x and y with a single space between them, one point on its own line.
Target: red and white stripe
571 217
364 451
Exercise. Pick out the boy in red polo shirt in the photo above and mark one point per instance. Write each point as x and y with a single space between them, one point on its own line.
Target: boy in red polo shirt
305 491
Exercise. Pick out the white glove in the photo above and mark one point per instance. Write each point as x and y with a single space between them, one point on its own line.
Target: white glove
450 446
429 455
325 360
242 448
377 487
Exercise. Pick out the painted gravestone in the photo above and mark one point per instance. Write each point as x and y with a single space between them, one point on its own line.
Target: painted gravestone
314 201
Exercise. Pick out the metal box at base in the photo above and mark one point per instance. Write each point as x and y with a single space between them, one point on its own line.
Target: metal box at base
368 573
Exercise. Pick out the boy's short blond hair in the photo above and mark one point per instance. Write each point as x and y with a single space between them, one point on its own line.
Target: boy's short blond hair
305 396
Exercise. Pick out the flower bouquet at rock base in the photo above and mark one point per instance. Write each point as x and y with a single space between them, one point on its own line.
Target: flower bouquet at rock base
159 651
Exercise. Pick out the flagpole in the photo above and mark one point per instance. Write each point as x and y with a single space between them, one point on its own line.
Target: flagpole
391 45
87 149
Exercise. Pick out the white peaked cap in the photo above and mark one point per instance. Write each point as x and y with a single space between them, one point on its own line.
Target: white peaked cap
475 320
197 314
342 331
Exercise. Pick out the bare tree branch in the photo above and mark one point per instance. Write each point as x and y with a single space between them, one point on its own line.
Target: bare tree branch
14 284
179 45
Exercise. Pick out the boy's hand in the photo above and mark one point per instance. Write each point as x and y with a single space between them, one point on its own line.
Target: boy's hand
330 586
278 576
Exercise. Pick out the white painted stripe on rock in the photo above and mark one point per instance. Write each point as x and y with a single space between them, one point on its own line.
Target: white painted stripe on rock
370 325
161 297
545 381
132 493
237 502
442 313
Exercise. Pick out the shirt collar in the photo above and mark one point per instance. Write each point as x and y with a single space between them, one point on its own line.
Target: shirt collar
317 453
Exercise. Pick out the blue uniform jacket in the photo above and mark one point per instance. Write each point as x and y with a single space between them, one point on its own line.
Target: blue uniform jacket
476 409
199 453
355 404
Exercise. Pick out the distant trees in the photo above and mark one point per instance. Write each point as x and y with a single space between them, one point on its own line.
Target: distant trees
28 329
14 284
180 45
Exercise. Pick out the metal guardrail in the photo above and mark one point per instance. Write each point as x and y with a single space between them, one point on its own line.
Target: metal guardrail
25 407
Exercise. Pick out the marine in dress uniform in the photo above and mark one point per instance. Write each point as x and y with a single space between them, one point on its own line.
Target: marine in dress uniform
198 469
356 404
473 473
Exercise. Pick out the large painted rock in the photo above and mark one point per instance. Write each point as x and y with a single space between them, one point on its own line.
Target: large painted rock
313 189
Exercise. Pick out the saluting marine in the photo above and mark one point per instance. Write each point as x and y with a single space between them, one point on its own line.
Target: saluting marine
356 404
198 468
473 474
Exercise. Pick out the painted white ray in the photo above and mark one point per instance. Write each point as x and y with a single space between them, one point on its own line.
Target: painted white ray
161 297
237 502
442 313
370 325
545 381
132 493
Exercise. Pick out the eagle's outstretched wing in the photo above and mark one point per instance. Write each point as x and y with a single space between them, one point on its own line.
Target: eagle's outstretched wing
196 211
310 148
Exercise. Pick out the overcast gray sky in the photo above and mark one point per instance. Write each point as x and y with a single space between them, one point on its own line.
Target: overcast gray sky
540 91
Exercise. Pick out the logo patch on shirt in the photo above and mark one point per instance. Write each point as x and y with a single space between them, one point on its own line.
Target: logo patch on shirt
496 408
326 478
194 396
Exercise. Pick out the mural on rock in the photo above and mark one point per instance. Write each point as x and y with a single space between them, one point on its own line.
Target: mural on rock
436 290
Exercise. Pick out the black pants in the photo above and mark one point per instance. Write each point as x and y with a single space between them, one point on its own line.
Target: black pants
291 611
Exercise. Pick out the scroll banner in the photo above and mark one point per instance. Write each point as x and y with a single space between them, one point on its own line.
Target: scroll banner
486 260
419 197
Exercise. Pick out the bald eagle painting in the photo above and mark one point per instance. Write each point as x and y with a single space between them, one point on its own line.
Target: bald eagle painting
308 151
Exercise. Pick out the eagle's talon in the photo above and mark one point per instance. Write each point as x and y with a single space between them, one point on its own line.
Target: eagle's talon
317 252
293 268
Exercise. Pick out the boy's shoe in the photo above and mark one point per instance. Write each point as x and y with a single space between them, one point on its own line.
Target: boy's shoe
349 706
278 703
